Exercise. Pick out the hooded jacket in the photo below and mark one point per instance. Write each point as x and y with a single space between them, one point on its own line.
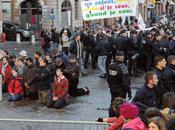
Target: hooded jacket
135 124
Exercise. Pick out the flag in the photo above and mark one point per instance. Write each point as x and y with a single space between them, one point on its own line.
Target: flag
141 23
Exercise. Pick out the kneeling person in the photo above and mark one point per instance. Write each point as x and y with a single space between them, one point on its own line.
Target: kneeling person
15 87
59 91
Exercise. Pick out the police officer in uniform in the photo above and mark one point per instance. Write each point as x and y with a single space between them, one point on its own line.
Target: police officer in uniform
118 79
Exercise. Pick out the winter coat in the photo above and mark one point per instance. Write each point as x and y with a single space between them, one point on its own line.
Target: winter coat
171 47
60 88
6 77
116 122
146 96
135 124
65 41
74 49
29 76
158 48
72 71
55 37
103 46
16 86
42 78
169 78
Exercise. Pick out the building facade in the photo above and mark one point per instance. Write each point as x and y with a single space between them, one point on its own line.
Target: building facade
58 13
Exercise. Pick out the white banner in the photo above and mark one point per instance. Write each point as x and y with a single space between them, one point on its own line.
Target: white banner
141 23
100 9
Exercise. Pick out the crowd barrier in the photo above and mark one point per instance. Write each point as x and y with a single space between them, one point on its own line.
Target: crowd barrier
27 124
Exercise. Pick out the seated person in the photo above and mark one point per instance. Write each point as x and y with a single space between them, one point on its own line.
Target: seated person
168 105
117 121
15 87
59 91
132 120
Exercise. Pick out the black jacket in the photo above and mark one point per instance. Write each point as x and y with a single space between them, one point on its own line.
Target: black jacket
55 37
169 78
72 71
146 96
118 77
103 45
73 48
42 78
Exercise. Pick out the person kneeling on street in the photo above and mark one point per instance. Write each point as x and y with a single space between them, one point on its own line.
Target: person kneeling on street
72 74
59 91
15 87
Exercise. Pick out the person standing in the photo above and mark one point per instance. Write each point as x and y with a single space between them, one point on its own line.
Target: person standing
118 79
76 48
103 50
65 42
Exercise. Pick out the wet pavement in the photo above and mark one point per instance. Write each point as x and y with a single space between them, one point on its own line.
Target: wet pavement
85 108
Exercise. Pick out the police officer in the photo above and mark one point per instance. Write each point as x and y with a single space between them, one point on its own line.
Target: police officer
169 75
118 79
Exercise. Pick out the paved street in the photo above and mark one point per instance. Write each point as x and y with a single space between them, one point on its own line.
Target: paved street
81 108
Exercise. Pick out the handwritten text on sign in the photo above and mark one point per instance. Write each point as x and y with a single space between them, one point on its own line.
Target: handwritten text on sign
99 9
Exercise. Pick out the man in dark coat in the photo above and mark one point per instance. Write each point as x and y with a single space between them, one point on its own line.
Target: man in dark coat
29 76
146 95
171 46
159 48
72 74
118 79
160 64
104 46
76 48
55 38
169 74
42 78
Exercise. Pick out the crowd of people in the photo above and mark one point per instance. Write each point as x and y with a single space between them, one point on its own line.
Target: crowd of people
119 52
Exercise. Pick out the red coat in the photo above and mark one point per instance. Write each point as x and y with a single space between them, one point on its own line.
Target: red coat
60 88
135 124
116 122
8 72
16 86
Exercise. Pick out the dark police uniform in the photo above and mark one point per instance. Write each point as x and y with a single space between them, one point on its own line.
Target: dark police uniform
118 80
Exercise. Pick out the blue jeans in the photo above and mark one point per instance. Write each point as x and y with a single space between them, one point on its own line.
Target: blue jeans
102 63
14 98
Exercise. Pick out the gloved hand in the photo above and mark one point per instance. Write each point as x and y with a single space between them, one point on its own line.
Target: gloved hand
100 120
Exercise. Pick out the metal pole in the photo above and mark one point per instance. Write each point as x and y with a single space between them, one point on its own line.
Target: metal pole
0 87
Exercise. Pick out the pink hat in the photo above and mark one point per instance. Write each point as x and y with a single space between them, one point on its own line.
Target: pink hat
129 110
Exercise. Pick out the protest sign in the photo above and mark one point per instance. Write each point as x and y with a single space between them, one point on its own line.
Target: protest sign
100 9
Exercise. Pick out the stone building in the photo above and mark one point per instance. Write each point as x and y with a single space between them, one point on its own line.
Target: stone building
60 13
45 13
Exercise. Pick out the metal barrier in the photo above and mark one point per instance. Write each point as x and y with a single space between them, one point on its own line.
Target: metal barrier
27 124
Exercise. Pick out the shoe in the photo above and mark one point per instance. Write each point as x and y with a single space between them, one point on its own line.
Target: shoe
87 90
